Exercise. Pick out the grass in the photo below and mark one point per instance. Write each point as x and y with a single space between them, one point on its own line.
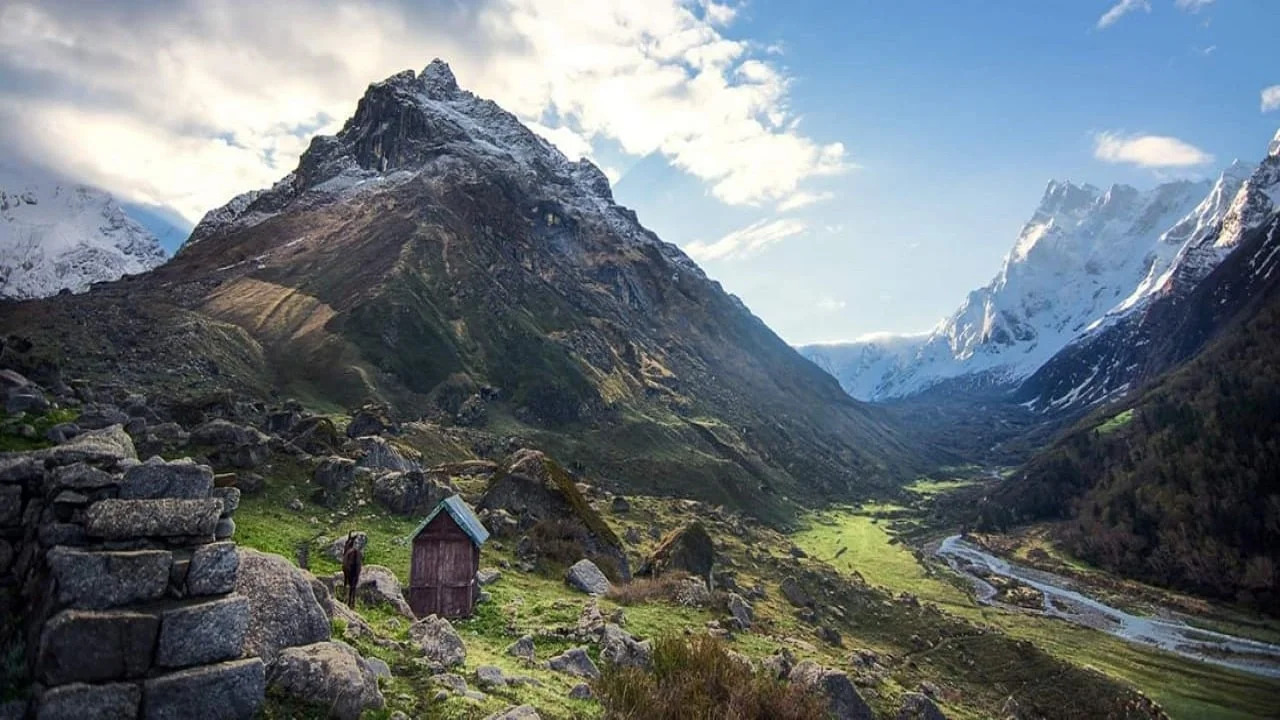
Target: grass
930 487
1185 689
11 441
1116 422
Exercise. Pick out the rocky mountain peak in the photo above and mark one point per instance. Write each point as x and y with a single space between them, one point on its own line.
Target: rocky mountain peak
1066 196
438 80
1273 150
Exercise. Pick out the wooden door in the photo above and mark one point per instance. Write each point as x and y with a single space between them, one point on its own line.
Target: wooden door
442 577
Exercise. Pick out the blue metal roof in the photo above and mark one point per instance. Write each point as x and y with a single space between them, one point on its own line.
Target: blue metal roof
462 514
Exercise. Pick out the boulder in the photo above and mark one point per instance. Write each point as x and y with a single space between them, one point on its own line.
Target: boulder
692 592
379 585
795 594
523 648
741 610
369 420
100 580
375 453
96 416
843 700
410 493
439 642
225 435
110 445
618 647
62 432
688 549
535 489
283 608
620 505
81 701
227 691
581 691
489 677
488 576
585 576
918 706
315 434
331 674
334 477
574 661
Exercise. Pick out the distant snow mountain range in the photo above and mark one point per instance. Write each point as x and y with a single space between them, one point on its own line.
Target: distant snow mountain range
1085 261
58 236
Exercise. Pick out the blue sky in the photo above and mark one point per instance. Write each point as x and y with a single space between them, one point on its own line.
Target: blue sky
844 167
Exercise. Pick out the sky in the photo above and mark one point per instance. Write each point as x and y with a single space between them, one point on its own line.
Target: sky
843 167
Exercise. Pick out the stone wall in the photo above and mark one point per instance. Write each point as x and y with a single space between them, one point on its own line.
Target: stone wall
122 577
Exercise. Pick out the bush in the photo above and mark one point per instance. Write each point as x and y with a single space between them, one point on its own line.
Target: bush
699 680
646 590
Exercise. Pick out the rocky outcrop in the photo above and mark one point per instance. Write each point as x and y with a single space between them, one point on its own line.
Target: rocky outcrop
843 700
688 549
333 479
129 603
410 493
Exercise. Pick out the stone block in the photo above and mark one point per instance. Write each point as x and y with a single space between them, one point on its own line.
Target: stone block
168 517
227 691
99 580
95 646
80 701
10 505
213 569
155 478
203 633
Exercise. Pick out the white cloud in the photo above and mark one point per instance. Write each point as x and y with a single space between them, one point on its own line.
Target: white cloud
206 99
1150 151
830 304
802 199
1120 9
747 241
1193 6
1271 98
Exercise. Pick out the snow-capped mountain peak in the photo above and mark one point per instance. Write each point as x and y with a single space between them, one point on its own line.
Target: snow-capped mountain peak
58 236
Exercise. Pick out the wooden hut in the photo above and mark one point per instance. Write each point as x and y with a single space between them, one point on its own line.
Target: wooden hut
446 556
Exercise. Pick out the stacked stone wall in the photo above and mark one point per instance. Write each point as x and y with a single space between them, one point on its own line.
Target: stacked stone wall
119 580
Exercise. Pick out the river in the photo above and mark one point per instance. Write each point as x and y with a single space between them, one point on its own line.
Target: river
1061 601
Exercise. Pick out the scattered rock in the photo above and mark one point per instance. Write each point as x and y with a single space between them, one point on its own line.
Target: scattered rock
488 576
631 535
439 642
829 636
369 420
620 505
522 712
331 674
523 648
918 706
489 677
620 648
585 576
334 477
741 610
574 661
843 700
581 691
410 493
376 453
379 585
692 592
795 594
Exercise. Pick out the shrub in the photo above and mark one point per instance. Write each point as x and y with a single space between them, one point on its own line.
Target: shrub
698 679
646 590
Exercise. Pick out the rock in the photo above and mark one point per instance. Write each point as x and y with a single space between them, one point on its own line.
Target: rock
522 712
369 420
62 432
335 548
108 445
376 453
228 691
159 479
95 646
295 505
79 701
619 648
250 483
331 674
6 555
488 576
315 434
574 661
439 642
224 435
499 522
523 648
632 536
581 691
96 416
843 700
918 706
203 633
535 489
692 592
795 594
829 636
410 493
472 412
100 580
334 477
283 608
741 610
451 681
780 664
489 677
688 549
585 576
10 505
22 468
80 476
620 505
379 667
230 497
797 553
379 585
126 519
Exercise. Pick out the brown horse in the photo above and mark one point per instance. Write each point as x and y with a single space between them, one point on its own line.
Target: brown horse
352 561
